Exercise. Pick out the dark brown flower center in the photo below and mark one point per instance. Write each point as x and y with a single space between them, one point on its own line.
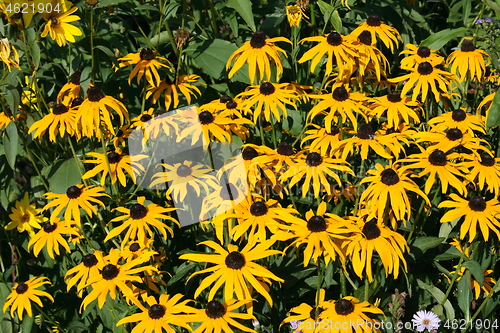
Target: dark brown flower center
425 68
365 37
94 94
146 117
89 260
157 311
467 46
373 21
119 133
206 117
184 171
285 149
114 157
458 115
138 211
487 159
77 101
49 227
229 192
231 105
25 218
391 130
314 159
21 288
437 158
75 78
477 204
335 130
134 247
258 40
59 109
389 177
235 260
160 112
340 94
225 99
215 309
394 96
109 272
147 54
312 313
258 208
316 224
365 132
334 39
424 51
54 21
371 229
454 134
267 88
73 192
344 307
249 153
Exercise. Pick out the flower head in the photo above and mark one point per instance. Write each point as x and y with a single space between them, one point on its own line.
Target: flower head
59 28
25 217
426 320
23 294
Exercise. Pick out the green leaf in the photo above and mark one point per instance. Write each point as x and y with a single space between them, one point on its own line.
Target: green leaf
426 242
439 296
11 94
63 175
35 54
211 56
437 40
445 229
164 38
475 268
330 14
244 8
27 324
107 51
109 3
181 272
85 78
493 5
465 295
493 117
11 144
336 21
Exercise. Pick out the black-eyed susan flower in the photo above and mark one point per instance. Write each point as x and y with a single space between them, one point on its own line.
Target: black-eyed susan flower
388 188
387 34
89 267
452 138
160 315
235 269
60 121
259 52
315 168
121 135
184 84
119 163
278 159
50 237
305 318
161 122
25 217
476 212
423 77
269 99
322 139
369 58
95 113
373 237
238 166
341 102
59 27
146 64
350 312
484 171
294 15
436 162
322 234
139 218
476 288
396 108
135 249
220 317
234 107
23 294
468 61
417 55
70 90
183 176
336 47
76 197
114 277
458 118
5 54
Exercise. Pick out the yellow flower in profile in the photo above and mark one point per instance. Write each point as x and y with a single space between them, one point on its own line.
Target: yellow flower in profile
305 318
258 53
369 56
388 35
23 293
418 55
59 28
60 121
183 84
5 54
50 236
88 268
70 90
469 61
324 141
294 15
146 63
458 118
485 171
25 217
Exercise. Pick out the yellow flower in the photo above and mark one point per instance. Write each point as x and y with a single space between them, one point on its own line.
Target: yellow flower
81 273
23 293
50 237
183 84
388 35
418 55
146 63
5 50
60 121
396 108
59 27
469 61
25 217
294 15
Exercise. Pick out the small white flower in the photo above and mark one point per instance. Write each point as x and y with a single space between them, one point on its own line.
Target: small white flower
255 323
423 320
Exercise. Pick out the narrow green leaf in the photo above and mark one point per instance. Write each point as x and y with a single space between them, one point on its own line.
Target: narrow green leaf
107 51
475 268
465 295
11 142
336 21
493 5
244 8
437 40
493 116
439 296
425 243
35 54
85 79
